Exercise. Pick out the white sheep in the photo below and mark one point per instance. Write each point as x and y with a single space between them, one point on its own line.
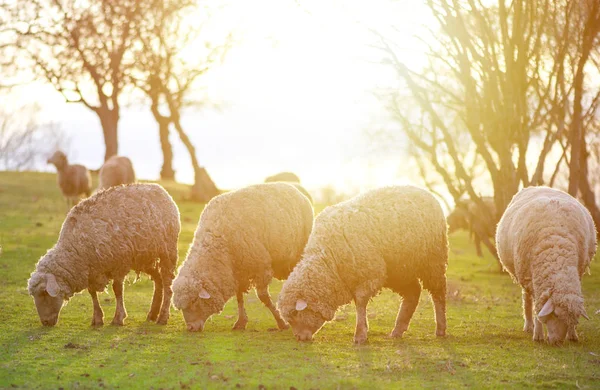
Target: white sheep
394 237
546 240
115 171
244 239
74 180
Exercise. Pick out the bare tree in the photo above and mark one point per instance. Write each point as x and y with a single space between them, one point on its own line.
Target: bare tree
169 82
83 49
25 142
498 80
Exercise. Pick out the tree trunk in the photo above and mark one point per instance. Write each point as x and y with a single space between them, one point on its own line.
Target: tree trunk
204 189
109 119
166 172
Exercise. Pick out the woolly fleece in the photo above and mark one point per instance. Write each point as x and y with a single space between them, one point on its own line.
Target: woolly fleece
546 240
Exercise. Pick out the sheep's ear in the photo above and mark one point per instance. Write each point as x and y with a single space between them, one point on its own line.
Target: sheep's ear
547 309
301 305
51 285
584 315
204 294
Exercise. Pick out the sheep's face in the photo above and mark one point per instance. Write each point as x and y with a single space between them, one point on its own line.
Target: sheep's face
47 297
557 329
304 321
196 313
456 221
58 159
48 308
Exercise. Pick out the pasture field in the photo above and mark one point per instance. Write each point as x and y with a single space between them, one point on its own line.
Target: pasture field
486 347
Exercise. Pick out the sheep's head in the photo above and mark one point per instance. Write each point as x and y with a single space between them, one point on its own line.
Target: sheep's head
196 302
559 313
457 219
305 320
47 296
58 159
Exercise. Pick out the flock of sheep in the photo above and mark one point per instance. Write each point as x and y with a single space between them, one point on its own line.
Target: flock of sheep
393 237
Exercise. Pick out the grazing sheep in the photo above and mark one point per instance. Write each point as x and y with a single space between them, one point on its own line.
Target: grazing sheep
244 238
283 176
546 240
73 180
115 171
392 237
460 218
133 227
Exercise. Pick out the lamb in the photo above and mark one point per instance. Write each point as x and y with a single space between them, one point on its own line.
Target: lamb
394 237
115 171
546 240
73 180
244 238
133 227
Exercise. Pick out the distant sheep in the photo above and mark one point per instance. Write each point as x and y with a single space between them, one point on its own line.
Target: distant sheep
115 171
73 180
244 239
283 176
461 218
133 227
546 240
392 237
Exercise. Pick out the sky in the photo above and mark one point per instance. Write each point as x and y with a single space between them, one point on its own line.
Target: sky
296 92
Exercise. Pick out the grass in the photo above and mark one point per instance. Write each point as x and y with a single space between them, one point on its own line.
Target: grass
486 347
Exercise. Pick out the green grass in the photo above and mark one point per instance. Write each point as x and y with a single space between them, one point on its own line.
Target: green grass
485 346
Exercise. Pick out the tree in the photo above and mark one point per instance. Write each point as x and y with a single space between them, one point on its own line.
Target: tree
83 49
169 81
498 80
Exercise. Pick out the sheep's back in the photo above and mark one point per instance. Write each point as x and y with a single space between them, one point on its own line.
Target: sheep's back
540 218
123 228
265 225
397 232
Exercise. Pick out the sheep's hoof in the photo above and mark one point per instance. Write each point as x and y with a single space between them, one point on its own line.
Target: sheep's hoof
240 325
152 317
117 322
528 328
573 337
538 338
283 326
396 334
440 333
162 320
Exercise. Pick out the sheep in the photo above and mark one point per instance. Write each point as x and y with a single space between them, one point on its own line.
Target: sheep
115 171
104 237
461 218
244 238
546 240
283 176
73 180
394 237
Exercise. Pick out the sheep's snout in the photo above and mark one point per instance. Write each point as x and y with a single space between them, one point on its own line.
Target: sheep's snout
304 335
195 326
50 322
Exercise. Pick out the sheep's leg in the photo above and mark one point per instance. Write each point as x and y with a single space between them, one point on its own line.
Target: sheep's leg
265 298
439 302
157 297
120 312
242 316
528 312
98 318
572 334
362 325
538 330
410 300
167 280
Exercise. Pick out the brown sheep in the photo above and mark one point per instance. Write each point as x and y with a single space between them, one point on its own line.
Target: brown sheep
115 171
462 218
73 180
